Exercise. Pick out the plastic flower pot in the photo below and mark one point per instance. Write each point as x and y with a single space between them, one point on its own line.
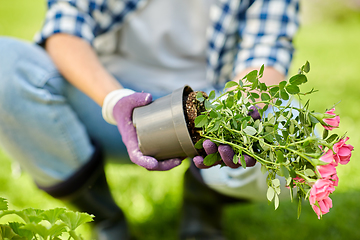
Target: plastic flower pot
162 129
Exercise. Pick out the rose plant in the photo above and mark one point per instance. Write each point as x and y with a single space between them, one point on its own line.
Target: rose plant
285 138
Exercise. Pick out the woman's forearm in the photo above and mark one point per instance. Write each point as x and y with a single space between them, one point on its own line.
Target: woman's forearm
78 63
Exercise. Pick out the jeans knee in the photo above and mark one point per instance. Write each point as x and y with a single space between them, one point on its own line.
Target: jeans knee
25 70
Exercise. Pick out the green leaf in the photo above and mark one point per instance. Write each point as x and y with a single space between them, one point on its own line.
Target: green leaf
230 101
200 97
282 85
255 95
238 95
316 162
212 95
306 67
234 123
252 76
284 171
299 207
52 215
241 82
198 144
16 227
261 71
3 204
7 233
244 124
279 156
298 79
74 219
284 95
250 130
325 133
274 91
263 87
57 229
37 229
211 159
265 97
215 127
263 169
312 119
235 159
242 161
214 114
201 121
275 182
263 146
281 118
231 84
291 128
270 194
277 201
271 119
332 138
255 84
260 128
309 172
245 139
292 89
208 105
30 215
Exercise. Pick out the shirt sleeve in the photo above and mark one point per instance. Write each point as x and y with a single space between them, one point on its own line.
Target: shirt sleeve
83 18
267 29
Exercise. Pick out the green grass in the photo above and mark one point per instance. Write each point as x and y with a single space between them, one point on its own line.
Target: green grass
151 200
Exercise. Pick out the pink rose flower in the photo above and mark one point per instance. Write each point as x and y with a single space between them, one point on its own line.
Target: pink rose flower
335 180
342 151
299 179
333 122
320 190
326 171
328 157
325 206
319 193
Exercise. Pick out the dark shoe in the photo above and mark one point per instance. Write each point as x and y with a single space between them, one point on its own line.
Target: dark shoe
88 191
202 209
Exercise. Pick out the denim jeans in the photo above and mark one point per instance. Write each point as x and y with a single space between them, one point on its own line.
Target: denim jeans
46 124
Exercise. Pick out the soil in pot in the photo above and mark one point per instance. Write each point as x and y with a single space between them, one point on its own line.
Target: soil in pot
192 109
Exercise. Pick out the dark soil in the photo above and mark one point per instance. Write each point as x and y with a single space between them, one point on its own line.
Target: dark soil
193 108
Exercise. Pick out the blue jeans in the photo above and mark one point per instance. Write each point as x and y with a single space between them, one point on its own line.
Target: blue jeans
45 123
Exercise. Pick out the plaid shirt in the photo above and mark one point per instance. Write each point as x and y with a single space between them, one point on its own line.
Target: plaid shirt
242 34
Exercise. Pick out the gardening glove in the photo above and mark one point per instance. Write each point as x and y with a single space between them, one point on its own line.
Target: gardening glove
225 151
117 110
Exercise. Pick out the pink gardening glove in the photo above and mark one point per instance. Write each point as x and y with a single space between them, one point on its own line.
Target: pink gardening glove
225 151
122 113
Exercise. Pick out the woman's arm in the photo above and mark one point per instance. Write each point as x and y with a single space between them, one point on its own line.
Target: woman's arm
78 63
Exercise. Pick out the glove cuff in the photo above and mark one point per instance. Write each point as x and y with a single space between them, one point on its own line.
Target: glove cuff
109 102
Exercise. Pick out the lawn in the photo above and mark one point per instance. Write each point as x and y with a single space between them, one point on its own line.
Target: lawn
151 200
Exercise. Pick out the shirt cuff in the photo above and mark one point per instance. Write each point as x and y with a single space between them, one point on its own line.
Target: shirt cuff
109 103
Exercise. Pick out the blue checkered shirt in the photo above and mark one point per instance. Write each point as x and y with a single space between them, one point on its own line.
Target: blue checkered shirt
242 34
